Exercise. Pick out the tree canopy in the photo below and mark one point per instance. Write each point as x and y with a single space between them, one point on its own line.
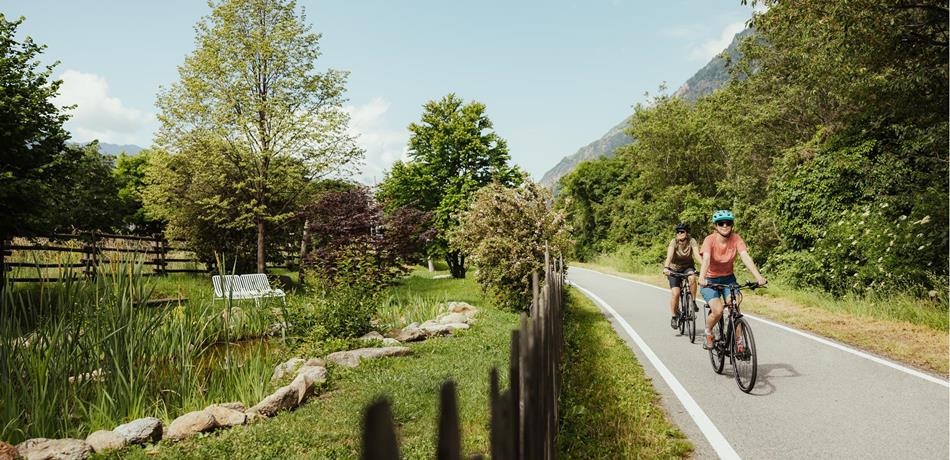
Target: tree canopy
453 152
251 95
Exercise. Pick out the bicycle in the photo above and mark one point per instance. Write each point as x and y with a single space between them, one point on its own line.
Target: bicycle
737 342
687 316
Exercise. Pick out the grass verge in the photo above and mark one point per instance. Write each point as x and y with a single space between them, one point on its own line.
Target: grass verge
919 337
329 425
609 408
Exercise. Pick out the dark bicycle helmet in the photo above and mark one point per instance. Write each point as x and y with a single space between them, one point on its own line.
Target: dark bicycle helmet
681 227
723 214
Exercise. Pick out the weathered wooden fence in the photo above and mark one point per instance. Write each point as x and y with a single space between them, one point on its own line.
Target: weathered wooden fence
85 254
523 418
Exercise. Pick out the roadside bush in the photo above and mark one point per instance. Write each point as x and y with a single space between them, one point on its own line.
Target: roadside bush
505 231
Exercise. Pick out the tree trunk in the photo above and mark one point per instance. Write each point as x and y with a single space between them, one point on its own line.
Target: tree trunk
304 250
456 261
261 260
431 265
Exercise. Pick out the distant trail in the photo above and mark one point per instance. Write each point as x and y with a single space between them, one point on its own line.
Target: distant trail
811 399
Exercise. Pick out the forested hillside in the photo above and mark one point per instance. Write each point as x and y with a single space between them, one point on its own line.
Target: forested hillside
708 79
832 153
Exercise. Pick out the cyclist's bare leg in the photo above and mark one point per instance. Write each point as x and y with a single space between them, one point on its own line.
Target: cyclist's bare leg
675 301
715 312
692 286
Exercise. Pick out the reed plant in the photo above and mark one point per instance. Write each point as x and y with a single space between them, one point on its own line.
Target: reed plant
86 354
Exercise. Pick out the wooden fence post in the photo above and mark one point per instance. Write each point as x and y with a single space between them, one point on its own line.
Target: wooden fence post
379 433
3 265
450 437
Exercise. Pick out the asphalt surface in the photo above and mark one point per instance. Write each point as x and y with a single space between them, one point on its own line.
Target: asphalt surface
812 399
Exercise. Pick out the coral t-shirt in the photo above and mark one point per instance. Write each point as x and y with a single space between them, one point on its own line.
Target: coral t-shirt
722 253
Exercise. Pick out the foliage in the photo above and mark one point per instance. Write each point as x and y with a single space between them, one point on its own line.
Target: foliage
198 192
453 152
251 90
129 174
353 243
834 127
34 150
506 230
82 355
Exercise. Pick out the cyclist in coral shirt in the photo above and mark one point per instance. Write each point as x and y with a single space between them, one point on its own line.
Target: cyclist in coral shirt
719 255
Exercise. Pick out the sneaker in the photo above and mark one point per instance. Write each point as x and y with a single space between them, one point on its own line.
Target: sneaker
708 343
674 322
740 346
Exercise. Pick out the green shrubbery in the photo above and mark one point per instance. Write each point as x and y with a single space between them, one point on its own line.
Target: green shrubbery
829 146
506 231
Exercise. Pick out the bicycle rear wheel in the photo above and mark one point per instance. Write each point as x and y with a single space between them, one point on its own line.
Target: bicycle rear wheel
690 317
717 355
744 361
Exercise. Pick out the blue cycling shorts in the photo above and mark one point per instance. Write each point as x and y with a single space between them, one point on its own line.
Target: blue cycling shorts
709 293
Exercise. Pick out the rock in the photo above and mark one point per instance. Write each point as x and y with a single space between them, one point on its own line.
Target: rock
104 440
373 335
459 307
307 376
391 342
352 358
411 333
234 406
8 452
435 330
191 424
287 368
148 429
453 318
54 449
225 417
316 362
285 398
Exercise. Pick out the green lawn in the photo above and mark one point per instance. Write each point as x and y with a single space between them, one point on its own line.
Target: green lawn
329 425
609 408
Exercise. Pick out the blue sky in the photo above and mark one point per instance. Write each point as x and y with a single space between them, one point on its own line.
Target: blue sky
554 75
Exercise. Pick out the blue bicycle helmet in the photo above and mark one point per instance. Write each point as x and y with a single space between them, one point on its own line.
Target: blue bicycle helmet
723 214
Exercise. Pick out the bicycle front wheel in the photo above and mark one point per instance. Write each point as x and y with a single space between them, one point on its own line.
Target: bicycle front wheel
717 355
744 360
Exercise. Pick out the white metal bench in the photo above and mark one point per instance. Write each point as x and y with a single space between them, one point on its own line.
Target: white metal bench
257 282
243 287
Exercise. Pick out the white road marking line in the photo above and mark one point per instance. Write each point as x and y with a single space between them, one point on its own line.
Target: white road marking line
715 438
821 340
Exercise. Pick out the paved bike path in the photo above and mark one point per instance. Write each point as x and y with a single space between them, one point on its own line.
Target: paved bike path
811 400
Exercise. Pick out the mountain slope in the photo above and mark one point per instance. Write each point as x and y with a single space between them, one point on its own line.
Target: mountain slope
708 79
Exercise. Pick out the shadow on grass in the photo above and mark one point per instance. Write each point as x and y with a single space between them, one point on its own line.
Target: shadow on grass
609 408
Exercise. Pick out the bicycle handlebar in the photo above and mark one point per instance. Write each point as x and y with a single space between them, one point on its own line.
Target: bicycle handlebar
749 284
680 274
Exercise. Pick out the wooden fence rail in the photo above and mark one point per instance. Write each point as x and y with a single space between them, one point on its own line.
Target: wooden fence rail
96 250
523 419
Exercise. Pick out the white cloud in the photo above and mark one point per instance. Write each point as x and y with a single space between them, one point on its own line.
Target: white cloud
383 144
100 116
710 48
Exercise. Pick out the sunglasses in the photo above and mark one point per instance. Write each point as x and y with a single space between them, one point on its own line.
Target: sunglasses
724 223
680 231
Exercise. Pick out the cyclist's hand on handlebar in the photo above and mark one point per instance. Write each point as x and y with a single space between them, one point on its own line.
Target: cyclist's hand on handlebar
667 271
702 281
761 281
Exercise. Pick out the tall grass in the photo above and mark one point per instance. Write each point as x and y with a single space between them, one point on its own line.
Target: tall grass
81 355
